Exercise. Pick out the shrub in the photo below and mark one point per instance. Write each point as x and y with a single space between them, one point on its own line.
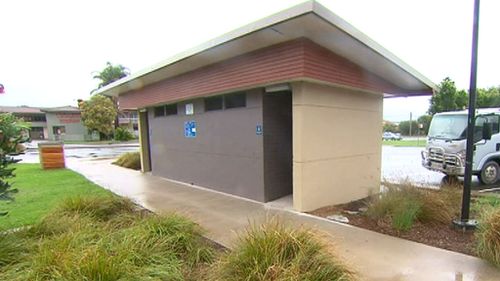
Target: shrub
122 134
404 204
12 133
488 236
131 160
275 252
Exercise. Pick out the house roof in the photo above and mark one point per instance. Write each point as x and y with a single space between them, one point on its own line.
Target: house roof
23 109
20 109
61 109
307 20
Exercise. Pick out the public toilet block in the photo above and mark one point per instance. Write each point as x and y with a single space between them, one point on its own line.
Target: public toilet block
290 105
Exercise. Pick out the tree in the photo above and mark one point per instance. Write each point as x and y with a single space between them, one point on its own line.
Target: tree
390 127
447 98
488 97
404 128
11 134
110 74
425 120
99 114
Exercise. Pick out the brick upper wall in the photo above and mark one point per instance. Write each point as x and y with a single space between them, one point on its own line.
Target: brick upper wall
322 64
292 60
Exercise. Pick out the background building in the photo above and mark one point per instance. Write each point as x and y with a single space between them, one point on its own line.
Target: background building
33 115
65 123
56 123
128 119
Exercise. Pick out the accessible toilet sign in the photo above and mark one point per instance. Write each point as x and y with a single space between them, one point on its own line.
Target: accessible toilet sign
190 129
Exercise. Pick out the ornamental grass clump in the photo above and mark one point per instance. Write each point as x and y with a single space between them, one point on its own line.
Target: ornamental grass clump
12 249
107 239
488 235
274 252
404 204
100 208
131 160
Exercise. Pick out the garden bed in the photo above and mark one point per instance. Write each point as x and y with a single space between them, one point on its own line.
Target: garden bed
441 236
106 238
430 224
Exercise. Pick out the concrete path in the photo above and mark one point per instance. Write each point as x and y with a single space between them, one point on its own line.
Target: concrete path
374 256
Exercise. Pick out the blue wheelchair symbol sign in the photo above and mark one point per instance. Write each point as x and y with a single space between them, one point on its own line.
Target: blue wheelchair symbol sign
190 129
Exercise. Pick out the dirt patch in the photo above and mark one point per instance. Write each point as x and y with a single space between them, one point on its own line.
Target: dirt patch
438 235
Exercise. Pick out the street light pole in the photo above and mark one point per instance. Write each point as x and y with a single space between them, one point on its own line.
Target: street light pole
465 221
410 122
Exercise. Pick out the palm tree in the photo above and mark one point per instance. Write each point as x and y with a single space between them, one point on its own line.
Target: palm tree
110 74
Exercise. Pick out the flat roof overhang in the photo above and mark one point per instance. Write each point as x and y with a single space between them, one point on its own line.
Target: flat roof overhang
307 20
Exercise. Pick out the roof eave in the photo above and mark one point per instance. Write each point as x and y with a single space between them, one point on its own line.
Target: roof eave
140 79
294 11
370 43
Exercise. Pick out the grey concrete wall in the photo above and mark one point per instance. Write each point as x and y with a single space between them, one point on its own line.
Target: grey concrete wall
74 130
226 155
277 114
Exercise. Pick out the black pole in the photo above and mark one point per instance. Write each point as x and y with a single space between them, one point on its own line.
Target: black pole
464 217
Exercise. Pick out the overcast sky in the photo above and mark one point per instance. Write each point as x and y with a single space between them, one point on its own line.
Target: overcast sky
49 49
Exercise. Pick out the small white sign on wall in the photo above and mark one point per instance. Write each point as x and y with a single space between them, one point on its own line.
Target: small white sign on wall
189 109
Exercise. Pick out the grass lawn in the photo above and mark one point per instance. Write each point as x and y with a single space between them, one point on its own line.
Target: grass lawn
479 203
415 143
40 190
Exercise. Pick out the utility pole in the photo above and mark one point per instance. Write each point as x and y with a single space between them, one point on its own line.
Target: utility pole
464 221
410 122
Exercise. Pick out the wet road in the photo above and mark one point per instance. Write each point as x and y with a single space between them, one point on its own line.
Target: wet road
97 152
405 163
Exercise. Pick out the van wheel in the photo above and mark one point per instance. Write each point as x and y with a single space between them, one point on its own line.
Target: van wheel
489 173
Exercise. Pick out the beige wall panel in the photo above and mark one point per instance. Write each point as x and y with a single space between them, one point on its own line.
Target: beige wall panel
336 181
332 133
337 144
324 95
